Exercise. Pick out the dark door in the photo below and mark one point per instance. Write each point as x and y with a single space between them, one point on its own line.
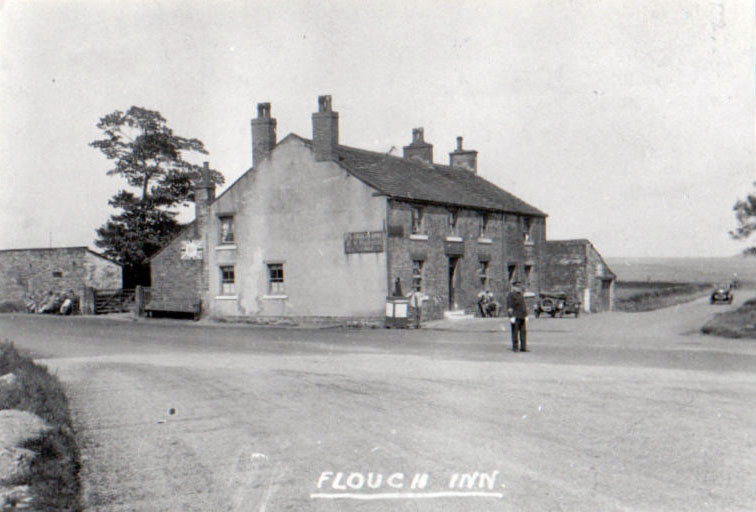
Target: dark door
453 261
605 297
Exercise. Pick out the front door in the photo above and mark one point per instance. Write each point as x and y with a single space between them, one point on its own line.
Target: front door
453 261
606 290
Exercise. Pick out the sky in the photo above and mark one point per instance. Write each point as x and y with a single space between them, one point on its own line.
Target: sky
630 123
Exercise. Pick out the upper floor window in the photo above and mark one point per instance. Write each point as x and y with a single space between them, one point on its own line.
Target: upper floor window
528 276
275 279
527 228
417 275
227 230
453 218
482 225
417 220
228 281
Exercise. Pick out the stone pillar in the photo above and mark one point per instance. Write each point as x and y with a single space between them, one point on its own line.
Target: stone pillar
87 301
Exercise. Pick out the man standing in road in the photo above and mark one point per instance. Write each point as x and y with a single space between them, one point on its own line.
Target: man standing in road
518 312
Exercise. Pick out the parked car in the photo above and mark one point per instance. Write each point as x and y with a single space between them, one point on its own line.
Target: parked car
556 305
721 295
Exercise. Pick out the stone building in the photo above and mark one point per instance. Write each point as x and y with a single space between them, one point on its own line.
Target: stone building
317 229
575 267
32 272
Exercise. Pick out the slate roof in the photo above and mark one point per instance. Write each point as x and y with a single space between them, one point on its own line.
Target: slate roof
415 180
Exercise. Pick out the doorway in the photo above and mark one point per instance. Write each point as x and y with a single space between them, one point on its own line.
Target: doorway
605 295
453 263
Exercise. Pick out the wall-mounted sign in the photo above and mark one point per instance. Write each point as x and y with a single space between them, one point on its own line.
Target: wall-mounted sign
364 241
191 249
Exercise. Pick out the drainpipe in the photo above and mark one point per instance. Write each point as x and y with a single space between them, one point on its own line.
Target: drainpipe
386 241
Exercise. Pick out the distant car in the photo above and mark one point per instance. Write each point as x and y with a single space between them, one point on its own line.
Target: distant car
721 295
556 305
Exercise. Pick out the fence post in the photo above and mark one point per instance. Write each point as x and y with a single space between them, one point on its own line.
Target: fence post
87 306
138 301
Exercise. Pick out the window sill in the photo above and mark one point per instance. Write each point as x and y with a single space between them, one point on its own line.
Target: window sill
529 242
275 297
485 240
454 239
226 297
418 236
225 247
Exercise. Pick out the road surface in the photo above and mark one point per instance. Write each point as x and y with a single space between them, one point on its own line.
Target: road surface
607 412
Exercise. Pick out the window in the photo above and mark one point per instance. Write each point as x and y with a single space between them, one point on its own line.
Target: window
483 225
57 274
483 274
527 229
228 281
417 275
417 220
226 230
275 279
512 273
528 276
453 218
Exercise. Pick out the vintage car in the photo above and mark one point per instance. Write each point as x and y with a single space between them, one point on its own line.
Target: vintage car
721 295
556 305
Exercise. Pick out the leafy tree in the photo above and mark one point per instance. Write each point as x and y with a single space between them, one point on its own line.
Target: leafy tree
745 212
150 157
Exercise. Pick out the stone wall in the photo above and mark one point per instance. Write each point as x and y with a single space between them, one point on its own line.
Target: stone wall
503 245
576 268
175 278
32 272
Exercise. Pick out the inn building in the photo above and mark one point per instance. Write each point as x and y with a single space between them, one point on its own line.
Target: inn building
319 229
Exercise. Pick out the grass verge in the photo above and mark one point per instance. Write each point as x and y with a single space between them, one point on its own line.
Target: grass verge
657 295
739 323
54 475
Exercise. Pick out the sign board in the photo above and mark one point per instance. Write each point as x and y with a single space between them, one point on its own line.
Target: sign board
363 241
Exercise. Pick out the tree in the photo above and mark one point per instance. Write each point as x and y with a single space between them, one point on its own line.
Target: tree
745 212
150 157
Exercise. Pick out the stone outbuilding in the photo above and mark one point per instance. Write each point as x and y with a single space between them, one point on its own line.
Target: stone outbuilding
28 273
319 229
576 268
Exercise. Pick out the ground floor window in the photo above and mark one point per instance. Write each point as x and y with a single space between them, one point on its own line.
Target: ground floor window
228 281
483 274
528 276
512 273
417 275
275 279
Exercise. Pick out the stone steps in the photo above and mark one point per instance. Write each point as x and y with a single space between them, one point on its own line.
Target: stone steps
458 314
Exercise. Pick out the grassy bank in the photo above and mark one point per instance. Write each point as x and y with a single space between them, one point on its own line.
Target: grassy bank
54 477
740 323
635 296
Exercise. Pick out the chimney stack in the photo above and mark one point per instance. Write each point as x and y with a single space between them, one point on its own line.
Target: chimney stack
263 134
419 148
466 159
204 195
325 130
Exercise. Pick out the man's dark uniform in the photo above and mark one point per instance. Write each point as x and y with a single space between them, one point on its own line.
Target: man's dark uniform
518 310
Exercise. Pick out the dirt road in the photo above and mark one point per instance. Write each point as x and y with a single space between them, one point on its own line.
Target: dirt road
608 412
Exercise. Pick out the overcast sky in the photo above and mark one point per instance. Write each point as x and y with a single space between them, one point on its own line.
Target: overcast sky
630 123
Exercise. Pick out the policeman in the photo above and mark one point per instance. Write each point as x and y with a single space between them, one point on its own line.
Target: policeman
518 312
